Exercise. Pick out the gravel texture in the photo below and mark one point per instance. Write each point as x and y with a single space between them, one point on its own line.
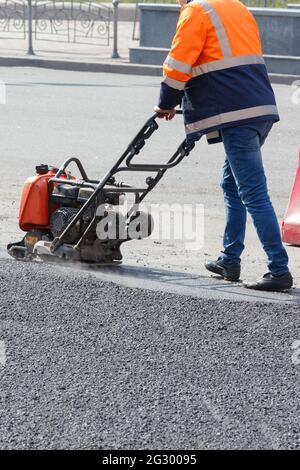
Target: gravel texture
93 365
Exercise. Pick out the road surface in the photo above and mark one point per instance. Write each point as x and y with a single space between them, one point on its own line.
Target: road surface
91 364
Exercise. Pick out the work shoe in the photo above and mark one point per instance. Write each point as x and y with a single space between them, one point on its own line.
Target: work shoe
230 272
272 283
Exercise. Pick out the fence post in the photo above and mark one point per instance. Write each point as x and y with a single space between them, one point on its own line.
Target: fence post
29 18
115 54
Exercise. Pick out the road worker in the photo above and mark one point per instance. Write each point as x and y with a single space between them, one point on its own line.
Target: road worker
216 70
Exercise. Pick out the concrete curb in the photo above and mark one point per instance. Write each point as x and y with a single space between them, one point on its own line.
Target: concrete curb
108 67
283 79
78 66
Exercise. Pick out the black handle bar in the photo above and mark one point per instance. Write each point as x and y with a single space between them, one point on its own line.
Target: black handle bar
133 149
139 141
156 115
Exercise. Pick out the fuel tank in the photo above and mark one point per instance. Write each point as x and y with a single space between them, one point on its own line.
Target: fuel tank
34 207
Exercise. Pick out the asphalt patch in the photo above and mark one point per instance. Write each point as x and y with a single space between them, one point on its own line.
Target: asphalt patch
93 365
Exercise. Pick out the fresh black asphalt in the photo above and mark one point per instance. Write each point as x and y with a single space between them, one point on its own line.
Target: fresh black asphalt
95 365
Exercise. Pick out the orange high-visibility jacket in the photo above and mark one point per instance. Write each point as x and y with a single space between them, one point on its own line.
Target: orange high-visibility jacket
216 69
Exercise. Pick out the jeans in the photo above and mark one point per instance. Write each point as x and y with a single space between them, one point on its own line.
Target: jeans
245 190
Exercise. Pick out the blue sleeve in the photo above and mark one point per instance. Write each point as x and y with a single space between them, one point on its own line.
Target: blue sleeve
169 97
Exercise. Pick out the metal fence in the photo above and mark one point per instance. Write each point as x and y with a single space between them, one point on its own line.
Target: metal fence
12 19
64 21
72 22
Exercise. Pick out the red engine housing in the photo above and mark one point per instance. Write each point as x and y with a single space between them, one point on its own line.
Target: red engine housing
34 212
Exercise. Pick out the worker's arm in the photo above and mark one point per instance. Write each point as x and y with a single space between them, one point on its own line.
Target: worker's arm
186 47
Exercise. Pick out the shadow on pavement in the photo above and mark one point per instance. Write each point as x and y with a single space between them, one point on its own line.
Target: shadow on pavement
189 284
180 283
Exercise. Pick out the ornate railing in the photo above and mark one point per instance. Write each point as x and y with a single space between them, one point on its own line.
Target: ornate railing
12 19
86 22
64 21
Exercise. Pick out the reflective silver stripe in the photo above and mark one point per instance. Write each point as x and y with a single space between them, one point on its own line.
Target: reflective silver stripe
232 116
227 63
178 65
219 27
177 84
213 135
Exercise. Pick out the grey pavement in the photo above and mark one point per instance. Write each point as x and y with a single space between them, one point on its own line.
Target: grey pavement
56 47
88 54
93 365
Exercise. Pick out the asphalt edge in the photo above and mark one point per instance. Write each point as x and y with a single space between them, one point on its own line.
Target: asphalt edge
143 281
108 67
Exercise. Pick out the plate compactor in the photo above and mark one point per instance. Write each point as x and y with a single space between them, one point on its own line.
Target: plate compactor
61 214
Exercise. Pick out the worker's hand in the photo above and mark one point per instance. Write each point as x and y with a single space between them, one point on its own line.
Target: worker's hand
166 114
